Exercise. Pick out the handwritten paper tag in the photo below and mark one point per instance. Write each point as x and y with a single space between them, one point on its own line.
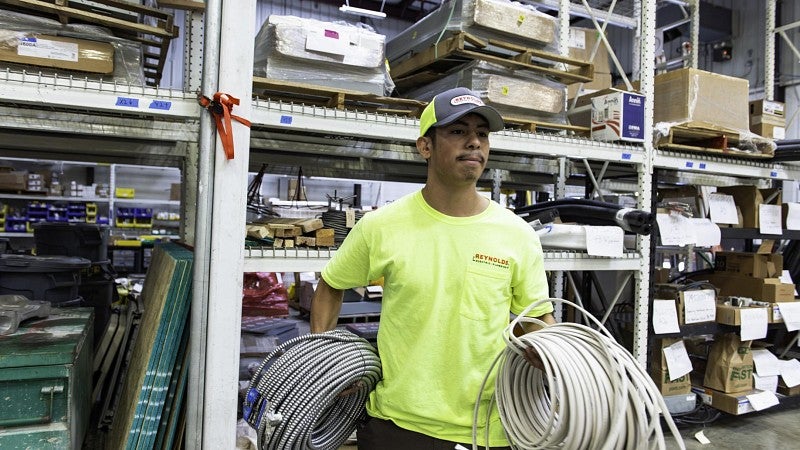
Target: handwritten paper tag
604 240
769 219
754 323
678 362
706 232
723 208
665 317
699 306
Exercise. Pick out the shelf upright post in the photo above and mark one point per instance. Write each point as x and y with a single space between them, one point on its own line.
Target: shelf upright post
769 51
193 51
646 10
694 30
560 191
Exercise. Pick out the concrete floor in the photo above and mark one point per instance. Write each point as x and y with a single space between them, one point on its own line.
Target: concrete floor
768 430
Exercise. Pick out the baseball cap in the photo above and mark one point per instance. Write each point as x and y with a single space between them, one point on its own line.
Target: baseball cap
451 105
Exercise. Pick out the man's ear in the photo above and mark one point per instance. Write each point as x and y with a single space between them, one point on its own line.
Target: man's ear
424 145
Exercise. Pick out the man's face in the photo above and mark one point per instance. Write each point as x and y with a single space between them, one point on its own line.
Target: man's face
461 150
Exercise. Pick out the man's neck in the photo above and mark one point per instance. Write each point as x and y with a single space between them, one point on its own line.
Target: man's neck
455 203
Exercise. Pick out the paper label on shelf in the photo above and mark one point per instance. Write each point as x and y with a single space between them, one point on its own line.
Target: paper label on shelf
706 232
678 362
769 219
674 230
577 39
722 208
763 400
766 363
754 323
792 216
665 317
790 372
45 48
350 218
791 315
604 241
769 383
699 306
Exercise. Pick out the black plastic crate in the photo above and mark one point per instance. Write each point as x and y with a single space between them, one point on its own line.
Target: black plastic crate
84 240
47 278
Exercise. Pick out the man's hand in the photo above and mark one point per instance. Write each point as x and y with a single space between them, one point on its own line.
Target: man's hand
532 356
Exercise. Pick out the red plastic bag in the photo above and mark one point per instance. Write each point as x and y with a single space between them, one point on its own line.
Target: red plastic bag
264 295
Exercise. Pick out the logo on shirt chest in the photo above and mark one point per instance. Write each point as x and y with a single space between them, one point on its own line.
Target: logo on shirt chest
490 260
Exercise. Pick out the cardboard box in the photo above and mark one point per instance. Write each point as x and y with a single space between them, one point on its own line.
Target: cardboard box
618 116
732 315
581 42
657 360
701 98
748 198
681 385
601 82
57 52
786 390
768 130
758 265
767 111
762 289
735 403
175 191
14 181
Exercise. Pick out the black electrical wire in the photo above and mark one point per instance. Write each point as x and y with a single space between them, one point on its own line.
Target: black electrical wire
592 212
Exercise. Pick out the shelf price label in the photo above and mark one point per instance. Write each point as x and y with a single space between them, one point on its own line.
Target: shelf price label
702 166
773 174
128 102
626 157
689 164
161 105
286 120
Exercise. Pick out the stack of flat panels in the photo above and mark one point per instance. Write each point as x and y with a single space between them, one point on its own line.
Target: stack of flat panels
321 53
502 20
514 93
152 368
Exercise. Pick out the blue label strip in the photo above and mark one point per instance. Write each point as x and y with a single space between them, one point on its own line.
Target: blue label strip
128 102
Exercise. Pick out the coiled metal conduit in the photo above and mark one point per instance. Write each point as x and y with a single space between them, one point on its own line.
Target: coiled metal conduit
297 398
592 395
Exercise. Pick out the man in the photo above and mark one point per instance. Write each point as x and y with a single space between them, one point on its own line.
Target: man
454 265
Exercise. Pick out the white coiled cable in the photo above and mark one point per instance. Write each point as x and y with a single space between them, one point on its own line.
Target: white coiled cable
311 391
592 395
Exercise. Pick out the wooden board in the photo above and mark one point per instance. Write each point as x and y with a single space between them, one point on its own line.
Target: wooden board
463 47
334 98
714 141
166 304
533 126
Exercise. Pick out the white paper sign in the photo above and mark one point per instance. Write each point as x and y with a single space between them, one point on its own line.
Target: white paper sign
604 241
791 315
328 41
665 317
722 208
763 400
763 383
754 323
793 216
769 219
678 362
699 306
766 363
673 230
706 232
790 372
786 277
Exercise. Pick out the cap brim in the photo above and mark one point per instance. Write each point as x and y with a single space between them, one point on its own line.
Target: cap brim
487 112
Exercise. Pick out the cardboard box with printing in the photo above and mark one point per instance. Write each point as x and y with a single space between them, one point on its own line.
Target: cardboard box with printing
748 198
618 116
56 52
735 403
13 180
768 119
699 98
732 315
660 374
758 265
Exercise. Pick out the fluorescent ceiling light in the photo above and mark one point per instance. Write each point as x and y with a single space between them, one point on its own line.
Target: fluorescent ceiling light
362 12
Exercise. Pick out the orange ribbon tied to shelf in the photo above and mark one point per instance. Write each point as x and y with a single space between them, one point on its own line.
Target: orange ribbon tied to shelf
220 107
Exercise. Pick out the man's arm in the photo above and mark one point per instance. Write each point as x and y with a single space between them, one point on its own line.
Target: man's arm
531 327
325 307
527 327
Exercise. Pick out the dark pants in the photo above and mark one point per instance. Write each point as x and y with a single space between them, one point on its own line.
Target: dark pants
377 434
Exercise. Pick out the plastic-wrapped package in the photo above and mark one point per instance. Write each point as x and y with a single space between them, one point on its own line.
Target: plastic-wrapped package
38 44
264 295
336 55
518 94
502 20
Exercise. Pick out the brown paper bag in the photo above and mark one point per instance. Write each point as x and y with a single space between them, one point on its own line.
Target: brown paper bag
730 364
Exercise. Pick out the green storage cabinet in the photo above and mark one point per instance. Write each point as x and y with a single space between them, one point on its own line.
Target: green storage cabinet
46 381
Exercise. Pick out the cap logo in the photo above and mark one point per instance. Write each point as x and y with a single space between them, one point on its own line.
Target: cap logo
462 99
